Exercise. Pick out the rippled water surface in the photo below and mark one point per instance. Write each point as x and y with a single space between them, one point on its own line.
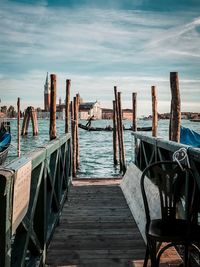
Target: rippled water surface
96 148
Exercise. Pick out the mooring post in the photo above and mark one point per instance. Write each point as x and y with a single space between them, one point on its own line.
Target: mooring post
67 102
118 127
32 114
134 119
27 120
52 129
74 138
121 128
18 127
77 138
154 111
175 116
115 158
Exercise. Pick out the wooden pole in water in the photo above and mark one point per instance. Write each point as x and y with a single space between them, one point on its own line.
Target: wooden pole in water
24 123
74 138
67 102
33 116
117 125
154 111
27 120
18 127
115 158
52 129
175 116
134 120
123 167
77 139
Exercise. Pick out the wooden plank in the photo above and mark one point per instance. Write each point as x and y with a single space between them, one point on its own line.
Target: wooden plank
96 229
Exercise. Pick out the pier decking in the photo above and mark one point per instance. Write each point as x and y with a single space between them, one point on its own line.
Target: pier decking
96 228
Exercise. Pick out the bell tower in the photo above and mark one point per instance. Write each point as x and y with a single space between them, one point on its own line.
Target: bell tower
47 94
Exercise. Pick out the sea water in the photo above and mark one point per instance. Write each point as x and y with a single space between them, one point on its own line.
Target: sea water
96 148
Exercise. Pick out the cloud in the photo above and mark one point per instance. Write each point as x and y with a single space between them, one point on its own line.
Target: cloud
97 49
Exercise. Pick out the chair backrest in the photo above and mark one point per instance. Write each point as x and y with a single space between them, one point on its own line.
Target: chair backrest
173 184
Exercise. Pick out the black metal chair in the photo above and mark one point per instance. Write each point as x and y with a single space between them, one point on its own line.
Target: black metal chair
174 187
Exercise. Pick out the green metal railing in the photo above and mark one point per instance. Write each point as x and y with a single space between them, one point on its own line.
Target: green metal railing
150 149
24 242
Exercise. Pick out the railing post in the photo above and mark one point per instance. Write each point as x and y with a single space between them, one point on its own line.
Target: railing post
6 188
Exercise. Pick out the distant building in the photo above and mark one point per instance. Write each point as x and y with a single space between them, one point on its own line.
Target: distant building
107 113
89 109
47 94
60 115
127 114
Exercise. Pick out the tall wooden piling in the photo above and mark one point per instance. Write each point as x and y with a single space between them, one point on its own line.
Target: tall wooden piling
33 115
72 135
154 111
18 127
52 129
115 150
74 138
67 103
30 113
121 129
134 118
117 126
175 116
77 139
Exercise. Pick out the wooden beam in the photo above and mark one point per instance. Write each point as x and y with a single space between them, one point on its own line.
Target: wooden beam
115 150
154 111
52 130
134 119
117 125
77 138
123 166
175 120
67 103
18 127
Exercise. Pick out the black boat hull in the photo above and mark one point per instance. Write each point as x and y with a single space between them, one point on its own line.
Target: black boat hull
110 129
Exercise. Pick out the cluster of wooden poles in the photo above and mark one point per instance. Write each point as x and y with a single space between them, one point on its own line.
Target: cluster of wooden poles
70 107
118 135
175 118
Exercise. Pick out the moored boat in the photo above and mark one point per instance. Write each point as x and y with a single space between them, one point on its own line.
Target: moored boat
195 120
189 137
109 128
5 139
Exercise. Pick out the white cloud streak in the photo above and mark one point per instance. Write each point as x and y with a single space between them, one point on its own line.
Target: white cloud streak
97 49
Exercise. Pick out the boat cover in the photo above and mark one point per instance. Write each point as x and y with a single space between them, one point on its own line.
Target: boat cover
5 141
189 137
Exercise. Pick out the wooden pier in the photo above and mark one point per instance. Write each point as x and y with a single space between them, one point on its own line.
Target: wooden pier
50 219
96 228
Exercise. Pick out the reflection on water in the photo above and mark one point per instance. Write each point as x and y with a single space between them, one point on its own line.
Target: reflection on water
96 148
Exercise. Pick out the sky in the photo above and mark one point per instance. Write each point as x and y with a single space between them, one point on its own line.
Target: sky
131 44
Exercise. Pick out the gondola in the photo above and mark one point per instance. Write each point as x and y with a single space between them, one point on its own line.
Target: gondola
5 139
195 120
109 128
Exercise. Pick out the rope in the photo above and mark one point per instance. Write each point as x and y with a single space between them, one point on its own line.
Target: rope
180 156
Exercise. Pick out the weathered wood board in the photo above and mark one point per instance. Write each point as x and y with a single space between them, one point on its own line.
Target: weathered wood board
96 229
21 194
131 189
